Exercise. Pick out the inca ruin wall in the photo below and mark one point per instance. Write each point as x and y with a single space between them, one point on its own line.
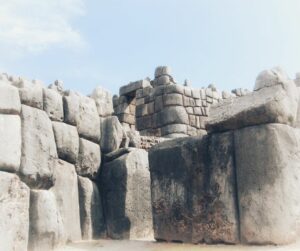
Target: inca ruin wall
75 167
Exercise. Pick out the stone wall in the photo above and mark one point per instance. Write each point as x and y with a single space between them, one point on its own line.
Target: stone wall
163 108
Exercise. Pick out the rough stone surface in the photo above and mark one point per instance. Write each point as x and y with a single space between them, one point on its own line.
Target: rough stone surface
268 177
14 211
10 143
134 138
275 104
53 104
46 230
172 115
162 70
9 99
65 190
126 196
38 148
89 158
91 211
103 101
269 78
81 111
193 190
111 134
31 94
132 87
67 141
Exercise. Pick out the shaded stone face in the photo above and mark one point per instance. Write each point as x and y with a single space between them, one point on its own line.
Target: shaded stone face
125 185
193 190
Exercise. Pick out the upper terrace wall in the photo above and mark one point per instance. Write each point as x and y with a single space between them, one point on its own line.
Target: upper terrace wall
163 108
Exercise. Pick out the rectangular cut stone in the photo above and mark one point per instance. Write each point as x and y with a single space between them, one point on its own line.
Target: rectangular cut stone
127 118
67 141
172 99
158 104
38 148
144 122
173 115
91 211
89 158
140 101
10 143
174 89
193 190
268 179
14 211
46 227
195 93
141 110
132 87
53 104
126 181
188 91
9 99
66 194
275 104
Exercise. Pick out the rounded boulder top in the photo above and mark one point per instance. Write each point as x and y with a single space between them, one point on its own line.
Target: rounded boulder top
162 70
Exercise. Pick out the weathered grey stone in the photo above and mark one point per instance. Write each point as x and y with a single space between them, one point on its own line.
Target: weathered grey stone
65 190
173 88
172 99
116 154
91 211
175 128
193 190
134 138
14 211
9 99
38 148
162 70
89 158
270 77
133 86
82 112
53 104
144 122
31 94
57 86
172 115
111 134
268 179
103 101
163 80
10 143
275 104
46 230
67 141
126 181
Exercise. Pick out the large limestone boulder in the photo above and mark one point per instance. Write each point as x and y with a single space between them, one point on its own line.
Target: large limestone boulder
269 78
14 211
38 148
111 134
9 99
268 179
67 141
193 190
53 104
89 159
65 190
31 93
82 112
46 230
275 104
103 100
10 143
91 211
172 115
125 184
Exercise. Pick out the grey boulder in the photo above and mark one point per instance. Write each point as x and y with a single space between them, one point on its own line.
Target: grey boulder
53 104
103 100
9 99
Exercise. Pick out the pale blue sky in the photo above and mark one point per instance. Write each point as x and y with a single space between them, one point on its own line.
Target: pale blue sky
110 43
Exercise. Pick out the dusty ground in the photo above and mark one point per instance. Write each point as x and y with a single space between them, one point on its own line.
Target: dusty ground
112 245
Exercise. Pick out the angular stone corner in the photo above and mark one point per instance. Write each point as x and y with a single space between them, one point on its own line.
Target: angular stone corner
124 182
9 99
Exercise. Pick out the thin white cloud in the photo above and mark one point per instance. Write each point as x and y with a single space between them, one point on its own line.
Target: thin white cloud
35 25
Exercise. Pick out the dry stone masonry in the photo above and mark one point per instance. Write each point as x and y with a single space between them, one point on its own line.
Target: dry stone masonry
161 160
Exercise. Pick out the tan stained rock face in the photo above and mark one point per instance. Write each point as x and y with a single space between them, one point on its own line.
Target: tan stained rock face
14 211
268 174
